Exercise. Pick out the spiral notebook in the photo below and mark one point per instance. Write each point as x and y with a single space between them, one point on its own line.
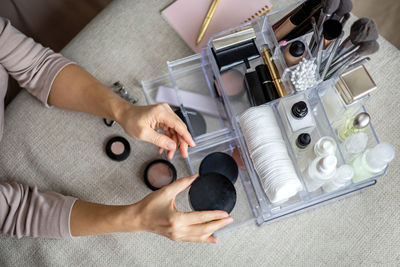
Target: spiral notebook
187 16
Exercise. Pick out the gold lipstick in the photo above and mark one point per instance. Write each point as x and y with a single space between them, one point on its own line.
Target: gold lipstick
276 78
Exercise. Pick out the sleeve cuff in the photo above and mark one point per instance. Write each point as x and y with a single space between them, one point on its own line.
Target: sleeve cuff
65 217
58 65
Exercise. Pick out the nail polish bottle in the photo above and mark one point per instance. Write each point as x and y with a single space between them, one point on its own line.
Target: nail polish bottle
326 145
373 161
342 177
294 52
321 170
354 125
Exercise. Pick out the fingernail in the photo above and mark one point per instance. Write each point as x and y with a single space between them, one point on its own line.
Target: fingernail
229 220
171 145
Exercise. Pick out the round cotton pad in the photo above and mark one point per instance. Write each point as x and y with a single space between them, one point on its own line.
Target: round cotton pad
221 163
197 121
212 191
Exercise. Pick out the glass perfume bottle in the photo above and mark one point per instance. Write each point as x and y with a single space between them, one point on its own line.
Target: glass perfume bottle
373 161
354 125
321 170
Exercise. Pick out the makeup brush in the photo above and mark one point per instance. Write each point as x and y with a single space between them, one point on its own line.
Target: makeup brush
362 30
365 48
331 55
345 7
315 37
358 63
331 30
296 19
348 66
345 19
328 8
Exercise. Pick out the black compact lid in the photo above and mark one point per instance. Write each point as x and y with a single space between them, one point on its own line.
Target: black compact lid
221 163
303 140
124 154
297 48
197 121
212 191
332 29
151 164
300 109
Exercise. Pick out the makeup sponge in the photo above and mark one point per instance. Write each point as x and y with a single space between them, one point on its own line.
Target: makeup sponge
363 30
212 191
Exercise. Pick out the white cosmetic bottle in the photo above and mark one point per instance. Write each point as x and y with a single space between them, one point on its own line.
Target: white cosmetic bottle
342 177
373 161
326 145
321 170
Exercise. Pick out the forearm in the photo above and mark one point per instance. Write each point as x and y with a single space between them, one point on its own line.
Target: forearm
75 89
94 219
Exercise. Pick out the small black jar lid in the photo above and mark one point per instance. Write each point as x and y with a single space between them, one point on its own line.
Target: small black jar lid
118 148
212 191
297 48
159 173
303 140
300 109
221 163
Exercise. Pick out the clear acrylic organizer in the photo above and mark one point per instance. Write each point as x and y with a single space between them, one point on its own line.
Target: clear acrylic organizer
199 74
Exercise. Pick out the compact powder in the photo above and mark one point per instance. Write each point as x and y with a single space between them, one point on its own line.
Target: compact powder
118 148
212 191
159 173
197 121
221 163
233 81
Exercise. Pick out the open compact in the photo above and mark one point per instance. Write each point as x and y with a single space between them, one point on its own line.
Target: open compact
159 173
118 148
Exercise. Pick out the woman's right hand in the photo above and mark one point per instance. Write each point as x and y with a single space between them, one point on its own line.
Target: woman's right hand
157 213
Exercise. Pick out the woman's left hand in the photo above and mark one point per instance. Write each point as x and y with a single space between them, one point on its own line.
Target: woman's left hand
142 122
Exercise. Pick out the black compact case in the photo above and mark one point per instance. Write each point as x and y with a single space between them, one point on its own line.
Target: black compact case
234 55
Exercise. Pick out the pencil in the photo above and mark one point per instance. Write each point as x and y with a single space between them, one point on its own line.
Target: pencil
207 20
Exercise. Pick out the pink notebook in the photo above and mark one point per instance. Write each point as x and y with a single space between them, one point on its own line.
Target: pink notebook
187 16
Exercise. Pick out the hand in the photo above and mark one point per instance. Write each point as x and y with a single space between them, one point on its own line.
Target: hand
141 122
157 213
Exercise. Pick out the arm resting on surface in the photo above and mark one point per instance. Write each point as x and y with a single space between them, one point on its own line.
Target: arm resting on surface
26 212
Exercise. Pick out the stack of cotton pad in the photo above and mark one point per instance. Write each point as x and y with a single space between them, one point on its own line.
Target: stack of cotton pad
268 152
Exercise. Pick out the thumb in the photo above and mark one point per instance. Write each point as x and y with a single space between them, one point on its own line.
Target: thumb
159 140
181 184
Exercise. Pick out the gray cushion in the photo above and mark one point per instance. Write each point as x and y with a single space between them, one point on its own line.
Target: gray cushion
63 151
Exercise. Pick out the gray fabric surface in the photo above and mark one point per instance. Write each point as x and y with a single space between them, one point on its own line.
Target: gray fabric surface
63 151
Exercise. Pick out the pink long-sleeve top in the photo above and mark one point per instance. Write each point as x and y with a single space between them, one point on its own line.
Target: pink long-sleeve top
23 210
